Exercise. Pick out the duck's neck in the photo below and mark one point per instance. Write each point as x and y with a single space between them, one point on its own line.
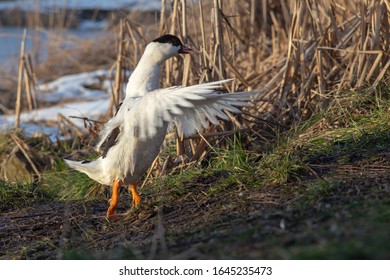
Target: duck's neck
145 77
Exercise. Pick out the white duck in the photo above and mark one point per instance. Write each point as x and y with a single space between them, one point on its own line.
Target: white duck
131 140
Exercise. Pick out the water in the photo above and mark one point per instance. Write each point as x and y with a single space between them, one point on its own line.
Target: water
10 44
50 5
11 38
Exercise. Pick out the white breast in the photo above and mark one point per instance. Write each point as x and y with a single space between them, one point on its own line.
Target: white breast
143 80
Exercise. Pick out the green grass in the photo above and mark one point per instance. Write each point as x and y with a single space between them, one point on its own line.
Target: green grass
356 124
57 180
67 183
13 196
234 157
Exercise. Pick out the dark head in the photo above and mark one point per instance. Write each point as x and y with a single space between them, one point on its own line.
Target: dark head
175 42
165 47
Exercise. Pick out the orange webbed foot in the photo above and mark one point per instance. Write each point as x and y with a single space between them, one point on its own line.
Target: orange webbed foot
136 197
111 216
113 201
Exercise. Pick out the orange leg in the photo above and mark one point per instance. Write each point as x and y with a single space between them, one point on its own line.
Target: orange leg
113 200
134 193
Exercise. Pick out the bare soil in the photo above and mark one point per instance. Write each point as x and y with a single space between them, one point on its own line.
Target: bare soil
344 215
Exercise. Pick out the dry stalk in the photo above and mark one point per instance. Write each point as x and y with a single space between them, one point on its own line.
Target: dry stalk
18 105
25 149
117 93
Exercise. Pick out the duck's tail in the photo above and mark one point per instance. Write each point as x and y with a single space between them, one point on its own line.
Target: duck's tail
92 168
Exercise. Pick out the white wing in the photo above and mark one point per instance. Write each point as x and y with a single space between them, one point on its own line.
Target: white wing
190 108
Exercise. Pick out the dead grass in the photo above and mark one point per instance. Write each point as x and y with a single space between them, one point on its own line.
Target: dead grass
302 57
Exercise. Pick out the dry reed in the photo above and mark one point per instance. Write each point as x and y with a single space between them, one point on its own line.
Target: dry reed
25 76
298 54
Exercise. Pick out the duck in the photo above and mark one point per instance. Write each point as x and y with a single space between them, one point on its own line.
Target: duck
131 140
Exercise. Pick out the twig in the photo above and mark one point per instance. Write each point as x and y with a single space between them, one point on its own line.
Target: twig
85 119
24 148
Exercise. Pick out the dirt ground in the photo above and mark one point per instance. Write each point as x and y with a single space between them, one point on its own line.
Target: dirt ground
347 218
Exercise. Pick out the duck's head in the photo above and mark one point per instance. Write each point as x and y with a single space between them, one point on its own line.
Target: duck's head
166 46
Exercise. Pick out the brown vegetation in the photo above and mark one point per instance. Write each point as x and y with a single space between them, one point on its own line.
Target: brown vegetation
320 190
299 55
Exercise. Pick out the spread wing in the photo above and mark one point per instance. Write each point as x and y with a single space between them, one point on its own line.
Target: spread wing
190 108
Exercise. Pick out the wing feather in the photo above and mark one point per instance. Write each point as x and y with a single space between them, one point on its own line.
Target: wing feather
189 108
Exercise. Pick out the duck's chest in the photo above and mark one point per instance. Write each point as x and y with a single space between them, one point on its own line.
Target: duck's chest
143 81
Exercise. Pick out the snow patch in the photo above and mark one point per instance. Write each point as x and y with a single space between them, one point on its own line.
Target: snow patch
91 103
76 86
